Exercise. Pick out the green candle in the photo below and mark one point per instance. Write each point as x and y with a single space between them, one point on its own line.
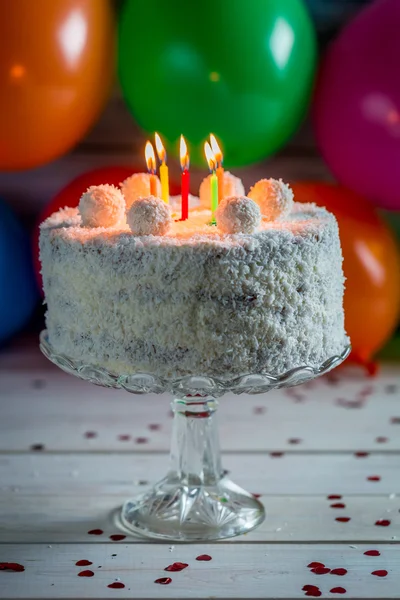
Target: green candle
212 163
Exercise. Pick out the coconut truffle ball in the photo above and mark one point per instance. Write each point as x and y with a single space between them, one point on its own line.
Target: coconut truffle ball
275 198
238 214
102 206
233 186
149 216
138 186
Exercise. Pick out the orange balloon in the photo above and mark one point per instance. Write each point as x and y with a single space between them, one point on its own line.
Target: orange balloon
56 70
371 265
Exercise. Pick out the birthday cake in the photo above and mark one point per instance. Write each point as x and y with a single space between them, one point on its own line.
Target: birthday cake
134 289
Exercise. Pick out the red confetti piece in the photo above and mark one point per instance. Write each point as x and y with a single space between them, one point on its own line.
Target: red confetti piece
276 454
117 585
154 426
334 497
380 573
10 566
96 532
37 447
311 590
358 403
83 563
339 572
338 505
381 439
124 437
117 537
361 454
395 420
294 440
338 590
90 434
342 519
87 573
256 495
314 565
176 566
374 478
141 440
372 553
382 523
321 570
204 557
163 580
259 410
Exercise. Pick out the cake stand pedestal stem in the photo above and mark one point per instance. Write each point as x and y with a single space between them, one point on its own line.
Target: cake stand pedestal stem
195 454
194 501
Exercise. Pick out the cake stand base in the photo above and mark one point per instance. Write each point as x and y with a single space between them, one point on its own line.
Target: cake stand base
195 501
188 513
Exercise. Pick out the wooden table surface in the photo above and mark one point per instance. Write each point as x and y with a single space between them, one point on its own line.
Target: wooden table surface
324 457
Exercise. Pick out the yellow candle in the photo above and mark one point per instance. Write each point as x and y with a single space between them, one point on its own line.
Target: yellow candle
213 181
164 177
164 182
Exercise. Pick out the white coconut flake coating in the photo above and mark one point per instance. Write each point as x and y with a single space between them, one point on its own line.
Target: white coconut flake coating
102 206
274 197
195 301
233 186
138 186
149 216
238 214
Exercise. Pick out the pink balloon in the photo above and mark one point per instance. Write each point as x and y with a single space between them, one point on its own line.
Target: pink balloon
357 105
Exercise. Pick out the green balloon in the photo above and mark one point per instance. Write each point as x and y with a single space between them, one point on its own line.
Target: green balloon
242 70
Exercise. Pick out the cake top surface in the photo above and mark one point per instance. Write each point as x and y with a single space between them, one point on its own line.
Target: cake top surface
304 220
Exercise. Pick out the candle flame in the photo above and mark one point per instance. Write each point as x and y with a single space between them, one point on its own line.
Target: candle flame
162 155
150 158
216 149
184 154
212 163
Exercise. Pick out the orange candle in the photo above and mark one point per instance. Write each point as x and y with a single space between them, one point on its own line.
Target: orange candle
151 167
220 169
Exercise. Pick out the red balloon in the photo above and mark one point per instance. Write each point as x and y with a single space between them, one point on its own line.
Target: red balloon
371 266
70 196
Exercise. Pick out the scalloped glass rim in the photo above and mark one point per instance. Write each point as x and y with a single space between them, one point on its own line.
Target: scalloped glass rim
145 383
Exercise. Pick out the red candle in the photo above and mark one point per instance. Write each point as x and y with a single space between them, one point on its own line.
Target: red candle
185 180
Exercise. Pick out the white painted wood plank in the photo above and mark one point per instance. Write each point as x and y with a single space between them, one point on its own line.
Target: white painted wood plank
46 406
60 498
235 571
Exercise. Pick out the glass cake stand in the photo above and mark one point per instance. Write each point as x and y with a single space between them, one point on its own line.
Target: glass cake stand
195 501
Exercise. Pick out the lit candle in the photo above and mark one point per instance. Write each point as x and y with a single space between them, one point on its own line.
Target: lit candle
212 163
185 181
162 155
151 167
220 169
